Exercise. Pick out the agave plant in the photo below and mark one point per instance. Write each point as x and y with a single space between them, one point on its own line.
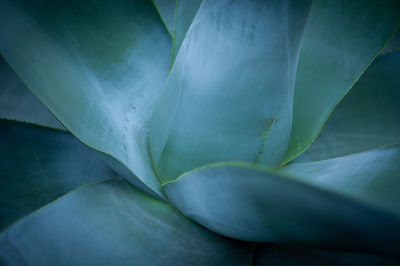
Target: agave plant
189 132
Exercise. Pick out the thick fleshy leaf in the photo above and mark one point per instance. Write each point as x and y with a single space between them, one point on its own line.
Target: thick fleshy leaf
167 12
341 39
393 45
284 255
98 65
229 93
185 13
19 103
367 118
38 165
112 223
371 176
257 204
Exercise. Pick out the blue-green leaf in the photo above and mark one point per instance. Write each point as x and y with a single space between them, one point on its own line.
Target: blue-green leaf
372 176
38 165
185 13
19 103
112 223
367 118
251 203
98 65
167 12
229 93
341 39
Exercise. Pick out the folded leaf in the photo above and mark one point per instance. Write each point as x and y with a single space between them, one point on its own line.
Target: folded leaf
341 39
283 255
38 165
98 65
111 223
185 12
257 204
367 118
229 93
18 102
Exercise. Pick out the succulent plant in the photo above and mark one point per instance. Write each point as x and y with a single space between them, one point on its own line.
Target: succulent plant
237 132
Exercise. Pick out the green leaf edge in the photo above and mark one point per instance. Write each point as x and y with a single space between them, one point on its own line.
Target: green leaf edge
290 158
274 171
162 18
161 196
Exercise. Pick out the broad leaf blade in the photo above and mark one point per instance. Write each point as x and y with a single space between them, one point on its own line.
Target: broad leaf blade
257 204
367 118
111 223
229 94
38 165
19 103
98 65
341 39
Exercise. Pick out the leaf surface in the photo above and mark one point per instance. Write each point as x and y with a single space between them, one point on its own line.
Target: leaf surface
229 93
112 223
393 45
252 203
19 103
367 118
99 66
185 13
167 11
38 165
341 39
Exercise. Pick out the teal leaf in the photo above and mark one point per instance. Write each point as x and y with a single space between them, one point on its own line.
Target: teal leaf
167 12
341 39
19 103
367 118
185 13
38 165
283 255
99 66
229 93
112 223
255 203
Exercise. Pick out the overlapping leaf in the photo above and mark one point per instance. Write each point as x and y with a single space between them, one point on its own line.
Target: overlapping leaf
38 165
19 103
111 223
367 118
341 39
229 93
315 205
98 65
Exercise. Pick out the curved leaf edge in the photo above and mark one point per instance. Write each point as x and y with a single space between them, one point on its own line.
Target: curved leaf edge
289 158
143 186
55 200
276 174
